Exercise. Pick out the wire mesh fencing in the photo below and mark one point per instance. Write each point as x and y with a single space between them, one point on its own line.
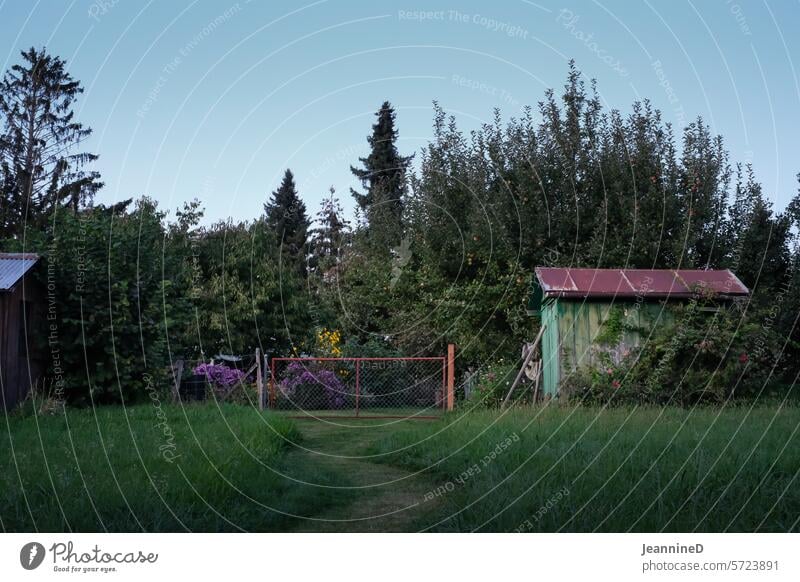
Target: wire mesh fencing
376 387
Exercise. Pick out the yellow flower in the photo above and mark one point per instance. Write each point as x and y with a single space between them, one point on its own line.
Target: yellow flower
328 341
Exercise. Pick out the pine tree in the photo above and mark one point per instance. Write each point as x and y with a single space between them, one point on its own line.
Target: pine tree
328 239
383 176
39 165
285 215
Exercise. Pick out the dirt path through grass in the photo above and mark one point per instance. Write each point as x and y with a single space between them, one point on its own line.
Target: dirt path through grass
378 497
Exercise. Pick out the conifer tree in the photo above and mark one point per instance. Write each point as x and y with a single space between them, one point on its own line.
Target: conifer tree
285 215
328 239
383 178
39 167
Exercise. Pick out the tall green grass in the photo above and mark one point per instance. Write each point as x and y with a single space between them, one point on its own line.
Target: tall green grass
110 470
554 469
589 469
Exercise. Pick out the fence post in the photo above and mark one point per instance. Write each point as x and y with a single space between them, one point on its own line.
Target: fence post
272 383
451 375
259 380
358 383
177 376
266 368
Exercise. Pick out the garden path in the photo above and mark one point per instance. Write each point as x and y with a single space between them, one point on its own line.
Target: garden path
380 497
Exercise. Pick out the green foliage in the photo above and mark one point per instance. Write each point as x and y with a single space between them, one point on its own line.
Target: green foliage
248 296
329 238
117 304
491 385
445 255
761 250
383 176
129 293
285 215
486 208
373 347
39 167
613 327
709 354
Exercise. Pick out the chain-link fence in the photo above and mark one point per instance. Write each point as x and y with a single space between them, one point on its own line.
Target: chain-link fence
377 387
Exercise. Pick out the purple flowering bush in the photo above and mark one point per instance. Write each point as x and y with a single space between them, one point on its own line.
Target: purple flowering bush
308 386
222 378
220 374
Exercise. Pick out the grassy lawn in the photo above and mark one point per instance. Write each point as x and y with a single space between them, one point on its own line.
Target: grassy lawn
199 468
209 468
588 469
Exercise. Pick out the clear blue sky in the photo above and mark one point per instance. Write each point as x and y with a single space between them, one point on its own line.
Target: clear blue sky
215 99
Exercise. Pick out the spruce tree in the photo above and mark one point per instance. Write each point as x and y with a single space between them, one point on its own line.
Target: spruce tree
40 167
285 215
383 177
328 238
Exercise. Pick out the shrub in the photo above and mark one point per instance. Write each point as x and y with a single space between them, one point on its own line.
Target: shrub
310 386
220 375
704 356
370 348
492 383
118 305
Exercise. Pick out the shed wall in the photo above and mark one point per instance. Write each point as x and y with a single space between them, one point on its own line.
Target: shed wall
574 329
21 362
550 361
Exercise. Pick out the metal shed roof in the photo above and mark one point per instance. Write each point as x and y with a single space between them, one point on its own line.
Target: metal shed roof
13 266
631 283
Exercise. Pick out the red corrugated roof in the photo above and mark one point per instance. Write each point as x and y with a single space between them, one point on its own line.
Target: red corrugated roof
622 283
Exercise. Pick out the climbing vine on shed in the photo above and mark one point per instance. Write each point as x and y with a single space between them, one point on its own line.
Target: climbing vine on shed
614 327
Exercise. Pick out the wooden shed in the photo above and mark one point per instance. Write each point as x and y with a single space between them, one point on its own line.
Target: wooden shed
21 310
579 307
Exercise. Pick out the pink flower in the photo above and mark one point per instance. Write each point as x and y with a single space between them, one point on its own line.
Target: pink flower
743 358
610 371
615 384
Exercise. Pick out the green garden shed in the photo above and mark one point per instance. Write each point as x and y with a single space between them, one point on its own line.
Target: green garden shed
589 313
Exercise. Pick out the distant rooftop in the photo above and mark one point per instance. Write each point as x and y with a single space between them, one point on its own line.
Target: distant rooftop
630 283
13 267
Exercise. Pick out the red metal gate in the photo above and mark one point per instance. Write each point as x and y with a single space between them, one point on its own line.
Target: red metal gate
361 387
